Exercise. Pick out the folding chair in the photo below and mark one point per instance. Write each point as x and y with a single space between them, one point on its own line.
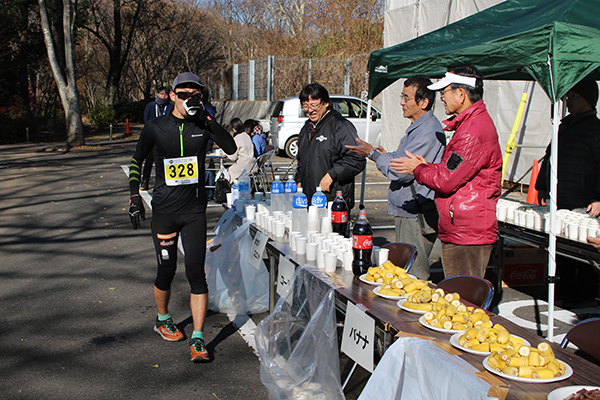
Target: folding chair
260 171
401 254
290 169
474 289
584 335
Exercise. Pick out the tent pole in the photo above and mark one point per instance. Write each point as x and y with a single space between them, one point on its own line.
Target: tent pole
364 174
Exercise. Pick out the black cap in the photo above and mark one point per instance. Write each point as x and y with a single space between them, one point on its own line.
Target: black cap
588 89
187 77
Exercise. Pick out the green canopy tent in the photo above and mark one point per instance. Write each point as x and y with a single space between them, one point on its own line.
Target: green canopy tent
554 42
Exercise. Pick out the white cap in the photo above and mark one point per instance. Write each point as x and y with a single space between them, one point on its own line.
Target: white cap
276 177
319 189
450 78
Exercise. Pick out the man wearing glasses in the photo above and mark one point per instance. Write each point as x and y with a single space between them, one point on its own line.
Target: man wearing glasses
406 197
467 181
179 140
323 159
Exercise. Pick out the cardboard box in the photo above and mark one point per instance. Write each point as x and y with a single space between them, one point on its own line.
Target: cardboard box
525 266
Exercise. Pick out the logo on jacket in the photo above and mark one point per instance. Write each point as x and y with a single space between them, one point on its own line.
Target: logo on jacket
198 135
321 138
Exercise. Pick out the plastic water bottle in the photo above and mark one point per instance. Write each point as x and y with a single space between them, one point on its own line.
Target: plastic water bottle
362 244
244 187
299 214
291 187
235 193
277 195
318 199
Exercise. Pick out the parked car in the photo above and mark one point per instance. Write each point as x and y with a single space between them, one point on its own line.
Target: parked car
288 118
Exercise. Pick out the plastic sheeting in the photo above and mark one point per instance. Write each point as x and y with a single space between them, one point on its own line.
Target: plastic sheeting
235 286
416 369
297 343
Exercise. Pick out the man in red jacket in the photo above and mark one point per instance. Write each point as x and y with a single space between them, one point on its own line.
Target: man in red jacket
467 181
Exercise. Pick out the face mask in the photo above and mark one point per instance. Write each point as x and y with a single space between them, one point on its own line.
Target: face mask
161 102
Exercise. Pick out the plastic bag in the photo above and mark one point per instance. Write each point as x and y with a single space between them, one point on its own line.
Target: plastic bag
235 286
416 369
297 343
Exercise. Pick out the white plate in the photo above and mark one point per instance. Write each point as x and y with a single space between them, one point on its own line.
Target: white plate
362 279
454 342
563 392
434 328
385 296
410 310
567 374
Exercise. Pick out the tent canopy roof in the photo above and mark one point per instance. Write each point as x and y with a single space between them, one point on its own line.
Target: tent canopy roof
514 40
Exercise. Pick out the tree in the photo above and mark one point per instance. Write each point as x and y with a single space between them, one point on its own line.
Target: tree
60 49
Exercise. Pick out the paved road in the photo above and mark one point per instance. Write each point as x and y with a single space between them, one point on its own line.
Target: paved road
76 301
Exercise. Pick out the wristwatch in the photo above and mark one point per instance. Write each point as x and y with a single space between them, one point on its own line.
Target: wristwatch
370 155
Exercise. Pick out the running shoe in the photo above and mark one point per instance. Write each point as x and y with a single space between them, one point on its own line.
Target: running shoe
199 352
168 330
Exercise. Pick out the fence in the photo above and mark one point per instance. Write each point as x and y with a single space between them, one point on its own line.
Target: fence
274 78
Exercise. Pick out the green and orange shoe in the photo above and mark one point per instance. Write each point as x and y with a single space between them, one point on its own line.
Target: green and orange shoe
168 330
199 352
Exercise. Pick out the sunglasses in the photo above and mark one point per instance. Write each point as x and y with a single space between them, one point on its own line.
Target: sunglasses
187 95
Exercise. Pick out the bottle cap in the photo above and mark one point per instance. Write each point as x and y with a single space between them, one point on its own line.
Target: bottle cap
362 213
319 189
300 190
276 177
338 193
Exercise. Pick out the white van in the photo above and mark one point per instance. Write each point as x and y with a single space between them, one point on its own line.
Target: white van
288 118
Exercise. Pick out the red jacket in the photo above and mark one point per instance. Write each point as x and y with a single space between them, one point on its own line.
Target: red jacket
467 181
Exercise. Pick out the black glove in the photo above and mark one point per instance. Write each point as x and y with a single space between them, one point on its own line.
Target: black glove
136 210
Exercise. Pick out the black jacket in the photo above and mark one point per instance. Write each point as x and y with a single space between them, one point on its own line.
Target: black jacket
578 162
326 153
170 137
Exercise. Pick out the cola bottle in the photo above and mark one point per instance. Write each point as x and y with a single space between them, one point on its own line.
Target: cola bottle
362 244
339 215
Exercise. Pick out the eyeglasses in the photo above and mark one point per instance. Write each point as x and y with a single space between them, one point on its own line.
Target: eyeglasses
311 107
443 92
405 98
187 95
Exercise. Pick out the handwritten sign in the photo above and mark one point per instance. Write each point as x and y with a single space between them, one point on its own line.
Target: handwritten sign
257 248
284 275
224 222
358 340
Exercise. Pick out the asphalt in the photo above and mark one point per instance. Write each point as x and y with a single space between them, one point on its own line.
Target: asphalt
76 306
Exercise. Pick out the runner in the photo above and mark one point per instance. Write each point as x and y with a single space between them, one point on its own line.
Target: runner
179 140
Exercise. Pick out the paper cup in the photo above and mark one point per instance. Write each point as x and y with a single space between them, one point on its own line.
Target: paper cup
279 229
348 258
583 233
330 262
301 245
321 258
529 220
250 212
326 226
293 235
501 212
311 251
258 196
229 198
383 255
573 230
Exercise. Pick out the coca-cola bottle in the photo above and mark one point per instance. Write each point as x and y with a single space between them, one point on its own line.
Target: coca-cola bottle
362 244
339 215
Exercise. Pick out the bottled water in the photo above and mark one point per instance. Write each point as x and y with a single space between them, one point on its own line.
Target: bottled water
291 187
235 193
277 195
299 214
244 187
319 200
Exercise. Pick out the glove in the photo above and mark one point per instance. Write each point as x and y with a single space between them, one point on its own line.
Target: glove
136 210
195 107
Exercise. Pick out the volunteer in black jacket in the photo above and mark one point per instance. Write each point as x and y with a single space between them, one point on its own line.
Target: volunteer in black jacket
179 141
323 159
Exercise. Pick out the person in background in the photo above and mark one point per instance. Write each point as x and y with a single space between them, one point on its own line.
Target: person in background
424 136
323 158
578 186
157 108
467 181
243 158
259 140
